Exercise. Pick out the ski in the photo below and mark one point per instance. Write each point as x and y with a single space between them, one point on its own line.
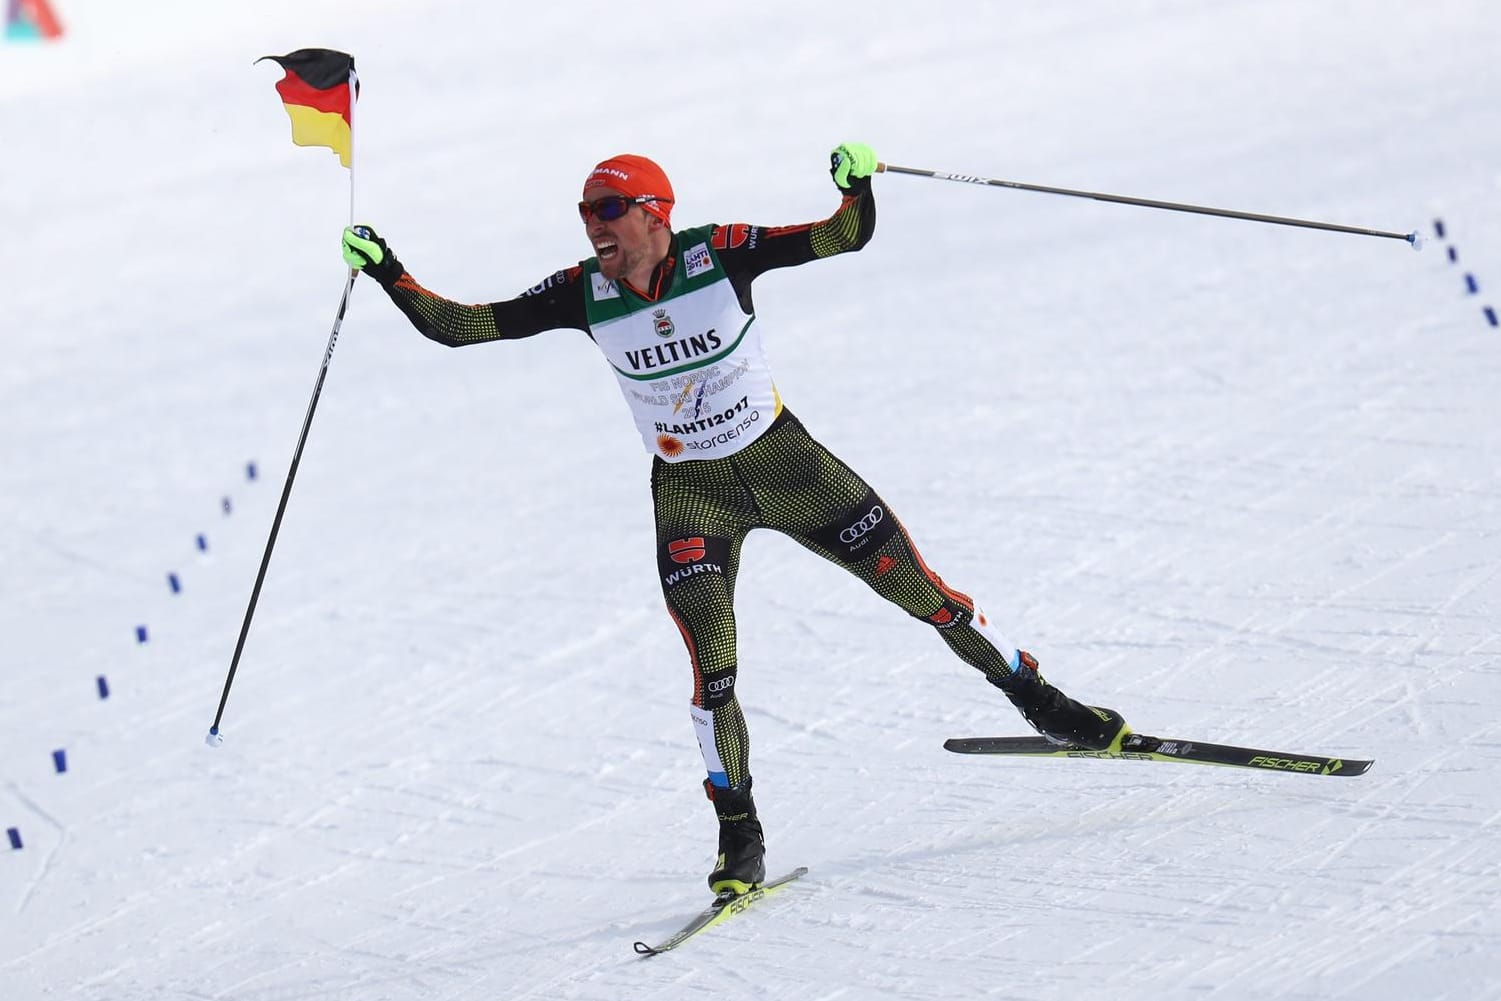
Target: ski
723 908
1140 747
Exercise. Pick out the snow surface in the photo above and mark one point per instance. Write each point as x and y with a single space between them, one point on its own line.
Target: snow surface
1239 481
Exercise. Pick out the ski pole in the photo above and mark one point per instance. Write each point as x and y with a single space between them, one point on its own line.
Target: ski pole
1410 238
322 79
214 739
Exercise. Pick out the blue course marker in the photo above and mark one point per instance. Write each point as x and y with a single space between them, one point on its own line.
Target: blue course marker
1438 228
140 634
60 760
1490 316
174 583
1453 256
201 542
15 838
103 686
1471 285
250 471
227 505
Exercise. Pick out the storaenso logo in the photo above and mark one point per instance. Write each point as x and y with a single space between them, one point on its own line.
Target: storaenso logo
862 527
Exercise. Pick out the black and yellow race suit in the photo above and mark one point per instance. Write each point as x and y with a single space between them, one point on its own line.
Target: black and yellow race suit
782 479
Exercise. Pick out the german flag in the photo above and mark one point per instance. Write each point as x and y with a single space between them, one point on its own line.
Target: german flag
318 98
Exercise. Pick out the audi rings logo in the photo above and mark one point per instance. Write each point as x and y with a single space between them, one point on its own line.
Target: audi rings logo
721 684
862 527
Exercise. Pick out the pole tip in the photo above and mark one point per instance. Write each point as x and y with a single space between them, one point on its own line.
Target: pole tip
1416 240
214 738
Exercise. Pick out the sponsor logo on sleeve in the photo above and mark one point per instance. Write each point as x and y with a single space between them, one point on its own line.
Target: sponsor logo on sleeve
557 278
735 236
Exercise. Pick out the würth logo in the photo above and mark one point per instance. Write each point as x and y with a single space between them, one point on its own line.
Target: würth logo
680 560
686 550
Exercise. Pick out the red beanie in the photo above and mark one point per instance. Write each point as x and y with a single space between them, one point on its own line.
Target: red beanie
634 176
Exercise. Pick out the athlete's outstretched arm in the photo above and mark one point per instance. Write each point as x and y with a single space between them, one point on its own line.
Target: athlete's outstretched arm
546 306
750 251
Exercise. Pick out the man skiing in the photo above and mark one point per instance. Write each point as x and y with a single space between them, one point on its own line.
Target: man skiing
672 313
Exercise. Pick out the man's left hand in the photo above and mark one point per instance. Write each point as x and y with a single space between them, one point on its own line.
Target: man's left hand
851 160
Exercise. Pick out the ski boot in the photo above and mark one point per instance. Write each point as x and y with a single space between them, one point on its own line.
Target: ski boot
1058 717
741 866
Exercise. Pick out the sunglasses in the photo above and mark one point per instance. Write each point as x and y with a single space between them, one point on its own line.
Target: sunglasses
614 206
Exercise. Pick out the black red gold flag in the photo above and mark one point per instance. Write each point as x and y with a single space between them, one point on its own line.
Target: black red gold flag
317 93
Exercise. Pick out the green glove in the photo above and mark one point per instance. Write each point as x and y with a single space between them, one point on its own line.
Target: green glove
363 247
851 160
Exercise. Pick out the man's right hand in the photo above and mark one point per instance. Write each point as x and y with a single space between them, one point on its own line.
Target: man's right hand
363 248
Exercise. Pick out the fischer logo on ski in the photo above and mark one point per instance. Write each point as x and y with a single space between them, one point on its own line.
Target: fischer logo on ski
1140 747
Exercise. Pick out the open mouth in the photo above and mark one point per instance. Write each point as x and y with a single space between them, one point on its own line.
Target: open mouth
605 251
